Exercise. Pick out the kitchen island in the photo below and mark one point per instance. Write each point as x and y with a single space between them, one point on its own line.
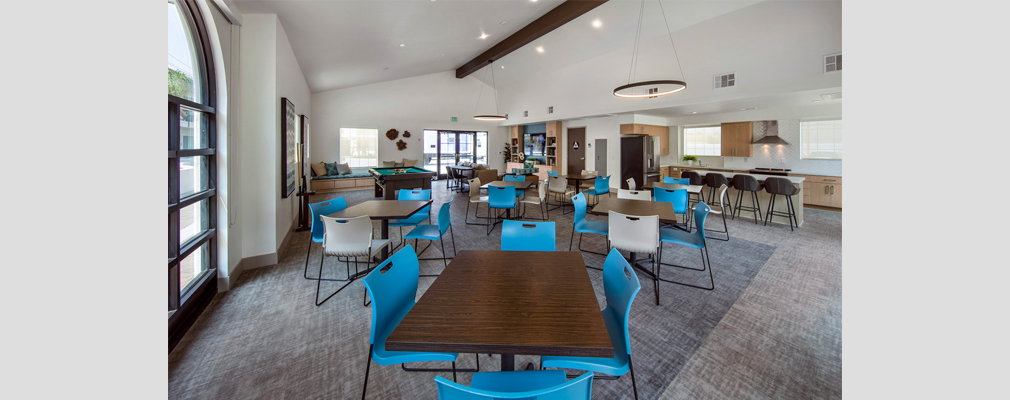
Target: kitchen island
763 196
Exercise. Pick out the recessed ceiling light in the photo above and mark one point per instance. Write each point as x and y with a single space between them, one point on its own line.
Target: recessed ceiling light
541 48
401 45
503 23
502 67
597 24
694 112
483 36
533 1
748 108
815 101
443 55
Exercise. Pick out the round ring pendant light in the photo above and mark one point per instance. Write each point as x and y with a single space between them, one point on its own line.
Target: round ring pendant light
662 88
654 88
483 81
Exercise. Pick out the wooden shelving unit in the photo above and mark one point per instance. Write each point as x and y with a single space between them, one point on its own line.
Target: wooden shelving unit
555 153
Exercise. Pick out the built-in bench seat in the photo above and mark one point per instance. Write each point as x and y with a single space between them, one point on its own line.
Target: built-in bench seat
358 179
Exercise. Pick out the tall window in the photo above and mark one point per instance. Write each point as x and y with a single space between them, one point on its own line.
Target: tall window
703 141
821 140
481 148
359 147
192 211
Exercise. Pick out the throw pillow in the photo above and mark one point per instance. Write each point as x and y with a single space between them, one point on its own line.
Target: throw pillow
388 164
319 169
398 165
343 169
409 163
331 169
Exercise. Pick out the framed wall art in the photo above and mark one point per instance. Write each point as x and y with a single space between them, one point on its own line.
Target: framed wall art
289 152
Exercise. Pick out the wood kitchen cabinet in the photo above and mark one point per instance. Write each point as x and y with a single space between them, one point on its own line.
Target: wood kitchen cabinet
554 149
663 132
737 138
823 191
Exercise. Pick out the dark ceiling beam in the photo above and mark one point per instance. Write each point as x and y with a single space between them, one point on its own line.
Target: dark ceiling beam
554 19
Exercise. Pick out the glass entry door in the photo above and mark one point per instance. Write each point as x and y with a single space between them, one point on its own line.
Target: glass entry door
444 148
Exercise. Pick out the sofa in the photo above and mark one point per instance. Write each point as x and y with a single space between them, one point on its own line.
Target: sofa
527 169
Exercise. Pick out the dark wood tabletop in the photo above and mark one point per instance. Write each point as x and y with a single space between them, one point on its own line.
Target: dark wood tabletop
520 185
515 302
637 208
382 209
579 177
693 189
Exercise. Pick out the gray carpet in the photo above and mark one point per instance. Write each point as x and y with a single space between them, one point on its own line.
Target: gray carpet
266 339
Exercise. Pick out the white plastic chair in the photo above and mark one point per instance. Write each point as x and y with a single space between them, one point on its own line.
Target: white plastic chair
348 237
634 194
631 184
719 209
476 199
588 184
636 234
540 201
559 187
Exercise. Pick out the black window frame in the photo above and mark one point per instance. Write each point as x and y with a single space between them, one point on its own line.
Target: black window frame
186 304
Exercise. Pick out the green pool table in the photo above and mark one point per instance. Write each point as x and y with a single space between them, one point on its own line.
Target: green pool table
389 180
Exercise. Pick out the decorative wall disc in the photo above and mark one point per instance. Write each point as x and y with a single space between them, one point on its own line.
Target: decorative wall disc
400 144
392 134
406 134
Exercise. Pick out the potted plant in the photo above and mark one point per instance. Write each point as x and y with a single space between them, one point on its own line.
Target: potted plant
690 159
508 152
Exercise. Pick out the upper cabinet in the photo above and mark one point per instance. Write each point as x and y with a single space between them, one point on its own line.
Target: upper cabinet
652 130
554 129
736 139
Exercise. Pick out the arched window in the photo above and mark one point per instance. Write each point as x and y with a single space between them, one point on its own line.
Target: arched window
192 211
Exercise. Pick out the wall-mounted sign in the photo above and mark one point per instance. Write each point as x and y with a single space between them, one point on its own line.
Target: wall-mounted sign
453 119
575 145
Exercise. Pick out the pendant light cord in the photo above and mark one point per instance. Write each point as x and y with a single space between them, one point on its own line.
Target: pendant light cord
670 34
489 65
482 82
638 34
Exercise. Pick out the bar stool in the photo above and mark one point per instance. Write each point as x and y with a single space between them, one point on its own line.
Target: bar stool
781 186
714 181
747 183
695 180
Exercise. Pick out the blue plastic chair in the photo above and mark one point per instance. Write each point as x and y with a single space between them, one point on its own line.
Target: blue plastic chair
676 197
602 186
516 178
501 198
620 286
581 225
695 239
418 217
678 181
435 232
540 385
392 286
527 236
553 173
315 210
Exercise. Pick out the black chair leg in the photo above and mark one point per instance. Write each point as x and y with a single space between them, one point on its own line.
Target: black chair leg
368 365
771 209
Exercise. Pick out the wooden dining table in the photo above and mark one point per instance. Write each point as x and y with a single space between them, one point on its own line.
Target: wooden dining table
579 178
508 303
383 210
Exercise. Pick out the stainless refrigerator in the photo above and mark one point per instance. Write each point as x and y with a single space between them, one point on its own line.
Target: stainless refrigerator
639 160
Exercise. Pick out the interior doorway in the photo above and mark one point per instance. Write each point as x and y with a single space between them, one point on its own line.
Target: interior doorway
600 156
443 148
576 150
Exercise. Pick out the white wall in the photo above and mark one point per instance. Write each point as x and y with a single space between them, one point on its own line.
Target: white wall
411 104
259 146
290 84
269 72
766 156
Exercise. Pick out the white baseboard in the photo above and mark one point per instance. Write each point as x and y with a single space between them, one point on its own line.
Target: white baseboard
263 260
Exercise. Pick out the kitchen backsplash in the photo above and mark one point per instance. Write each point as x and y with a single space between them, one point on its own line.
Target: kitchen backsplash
771 156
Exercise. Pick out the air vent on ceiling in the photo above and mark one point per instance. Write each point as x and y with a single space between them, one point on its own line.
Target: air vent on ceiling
832 63
724 80
831 96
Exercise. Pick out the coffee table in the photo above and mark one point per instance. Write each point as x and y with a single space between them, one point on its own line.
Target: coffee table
508 303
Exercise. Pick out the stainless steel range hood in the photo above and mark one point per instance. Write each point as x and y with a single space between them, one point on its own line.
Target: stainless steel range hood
771 136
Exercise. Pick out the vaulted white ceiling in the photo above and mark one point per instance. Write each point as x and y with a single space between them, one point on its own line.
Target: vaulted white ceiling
773 46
